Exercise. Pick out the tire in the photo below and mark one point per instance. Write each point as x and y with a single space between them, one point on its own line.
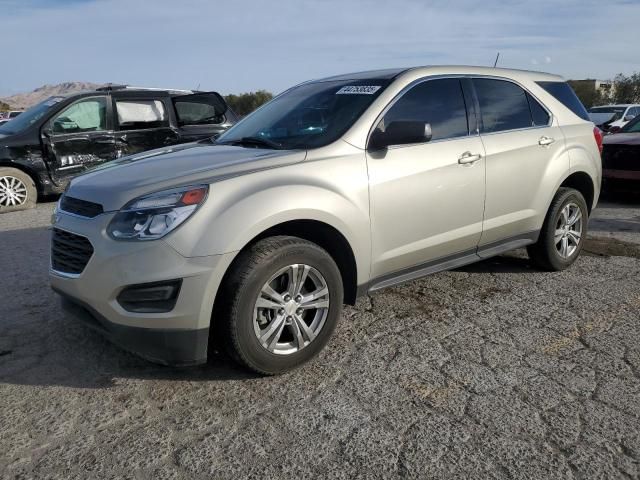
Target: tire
243 312
548 253
17 190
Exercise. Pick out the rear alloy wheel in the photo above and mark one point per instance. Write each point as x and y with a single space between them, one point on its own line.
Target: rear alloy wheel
563 232
17 190
278 305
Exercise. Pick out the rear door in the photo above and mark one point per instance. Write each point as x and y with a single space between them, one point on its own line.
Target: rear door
523 147
142 123
201 115
79 137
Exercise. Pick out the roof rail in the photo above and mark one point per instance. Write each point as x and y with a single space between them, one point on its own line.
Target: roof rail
157 89
111 86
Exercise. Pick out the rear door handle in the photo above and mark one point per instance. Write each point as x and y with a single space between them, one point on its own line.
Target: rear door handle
468 157
544 141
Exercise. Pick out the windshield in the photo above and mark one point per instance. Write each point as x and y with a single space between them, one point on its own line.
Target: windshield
633 126
308 116
28 118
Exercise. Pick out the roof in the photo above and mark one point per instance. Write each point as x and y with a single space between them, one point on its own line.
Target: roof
392 73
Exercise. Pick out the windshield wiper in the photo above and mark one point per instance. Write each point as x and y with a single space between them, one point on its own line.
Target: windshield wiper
254 141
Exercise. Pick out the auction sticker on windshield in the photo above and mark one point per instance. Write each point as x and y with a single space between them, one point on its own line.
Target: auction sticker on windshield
358 90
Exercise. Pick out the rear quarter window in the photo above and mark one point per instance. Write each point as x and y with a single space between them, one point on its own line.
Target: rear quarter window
562 92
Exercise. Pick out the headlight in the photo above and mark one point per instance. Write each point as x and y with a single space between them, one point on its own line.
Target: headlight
153 216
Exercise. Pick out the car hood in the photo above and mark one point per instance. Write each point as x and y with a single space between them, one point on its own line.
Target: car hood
622 139
115 183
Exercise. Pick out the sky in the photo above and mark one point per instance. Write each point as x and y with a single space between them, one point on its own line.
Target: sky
235 46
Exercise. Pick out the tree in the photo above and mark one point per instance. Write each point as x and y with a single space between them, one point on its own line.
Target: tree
626 89
587 92
4 107
245 103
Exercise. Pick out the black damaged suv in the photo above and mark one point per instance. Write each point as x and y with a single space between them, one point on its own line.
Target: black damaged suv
63 136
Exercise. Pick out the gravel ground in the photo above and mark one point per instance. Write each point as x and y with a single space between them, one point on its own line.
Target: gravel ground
490 371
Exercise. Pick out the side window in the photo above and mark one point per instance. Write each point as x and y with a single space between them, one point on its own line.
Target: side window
539 114
438 102
503 105
140 114
197 110
88 115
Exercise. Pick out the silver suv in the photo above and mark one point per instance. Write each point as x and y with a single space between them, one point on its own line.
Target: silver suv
336 188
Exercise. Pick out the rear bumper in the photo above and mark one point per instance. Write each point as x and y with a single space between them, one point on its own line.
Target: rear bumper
174 347
621 174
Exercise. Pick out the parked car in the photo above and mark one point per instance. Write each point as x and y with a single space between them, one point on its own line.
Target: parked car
621 155
336 188
10 114
611 118
4 120
46 146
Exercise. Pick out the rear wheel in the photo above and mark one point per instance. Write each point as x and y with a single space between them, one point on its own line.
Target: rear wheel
563 232
17 190
279 304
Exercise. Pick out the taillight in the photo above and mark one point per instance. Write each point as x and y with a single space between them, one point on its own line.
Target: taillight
597 133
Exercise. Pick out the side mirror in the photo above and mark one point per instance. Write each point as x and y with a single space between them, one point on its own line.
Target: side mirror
614 129
400 133
628 118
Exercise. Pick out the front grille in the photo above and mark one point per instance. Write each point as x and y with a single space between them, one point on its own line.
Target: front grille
621 157
80 207
70 253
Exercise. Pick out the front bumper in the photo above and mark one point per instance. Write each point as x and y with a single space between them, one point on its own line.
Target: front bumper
176 337
159 345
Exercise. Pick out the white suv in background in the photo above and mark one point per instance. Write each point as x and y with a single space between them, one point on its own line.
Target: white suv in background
612 118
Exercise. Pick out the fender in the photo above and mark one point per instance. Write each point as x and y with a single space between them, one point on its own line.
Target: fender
241 208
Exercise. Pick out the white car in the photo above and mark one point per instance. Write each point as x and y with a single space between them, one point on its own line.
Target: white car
613 117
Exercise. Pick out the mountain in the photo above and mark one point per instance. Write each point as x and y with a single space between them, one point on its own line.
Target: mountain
21 101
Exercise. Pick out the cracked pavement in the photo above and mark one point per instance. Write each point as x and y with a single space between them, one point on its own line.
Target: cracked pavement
495 370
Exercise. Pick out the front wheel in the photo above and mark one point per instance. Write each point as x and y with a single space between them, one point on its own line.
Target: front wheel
280 303
563 232
17 190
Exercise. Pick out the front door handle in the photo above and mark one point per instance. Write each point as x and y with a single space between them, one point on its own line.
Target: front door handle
468 157
545 141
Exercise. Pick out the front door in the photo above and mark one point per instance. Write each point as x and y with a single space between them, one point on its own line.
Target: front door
142 123
79 137
427 199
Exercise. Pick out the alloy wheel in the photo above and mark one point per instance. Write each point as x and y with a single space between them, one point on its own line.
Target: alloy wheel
291 309
568 230
13 192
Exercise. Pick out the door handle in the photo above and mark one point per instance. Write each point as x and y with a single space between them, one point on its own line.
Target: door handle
468 157
545 141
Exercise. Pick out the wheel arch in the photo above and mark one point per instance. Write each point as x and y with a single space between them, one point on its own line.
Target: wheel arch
322 234
582 182
32 174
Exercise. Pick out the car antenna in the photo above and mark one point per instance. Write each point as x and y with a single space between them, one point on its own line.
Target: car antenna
496 62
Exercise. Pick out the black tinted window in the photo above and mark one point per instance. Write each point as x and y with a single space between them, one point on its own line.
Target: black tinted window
438 102
565 94
503 105
199 109
539 114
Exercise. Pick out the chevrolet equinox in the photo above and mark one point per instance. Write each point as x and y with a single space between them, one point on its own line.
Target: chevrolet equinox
336 188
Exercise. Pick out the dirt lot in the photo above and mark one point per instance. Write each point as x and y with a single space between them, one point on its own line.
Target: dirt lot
490 371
